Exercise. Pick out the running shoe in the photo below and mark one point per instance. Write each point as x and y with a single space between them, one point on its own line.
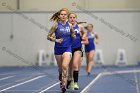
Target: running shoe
76 87
71 86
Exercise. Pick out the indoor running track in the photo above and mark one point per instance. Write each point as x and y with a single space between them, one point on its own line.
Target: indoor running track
45 80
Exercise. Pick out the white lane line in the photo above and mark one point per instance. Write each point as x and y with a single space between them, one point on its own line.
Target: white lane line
6 78
136 83
49 87
109 73
121 72
91 83
21 83
26 78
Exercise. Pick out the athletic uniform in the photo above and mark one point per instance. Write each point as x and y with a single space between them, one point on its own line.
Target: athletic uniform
76 43
63 31
76 46
91 46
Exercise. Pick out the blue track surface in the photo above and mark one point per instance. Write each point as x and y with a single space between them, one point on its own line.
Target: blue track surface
45 80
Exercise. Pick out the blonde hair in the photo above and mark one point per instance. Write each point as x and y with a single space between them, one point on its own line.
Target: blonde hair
76 17
55 15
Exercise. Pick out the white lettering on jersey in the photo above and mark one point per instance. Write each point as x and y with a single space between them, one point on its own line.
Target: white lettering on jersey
76 30
67 29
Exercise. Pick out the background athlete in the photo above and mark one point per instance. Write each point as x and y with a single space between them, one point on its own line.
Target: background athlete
90 48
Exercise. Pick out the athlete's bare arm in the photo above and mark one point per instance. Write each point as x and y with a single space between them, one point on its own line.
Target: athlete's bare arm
51 32
97 38
83 35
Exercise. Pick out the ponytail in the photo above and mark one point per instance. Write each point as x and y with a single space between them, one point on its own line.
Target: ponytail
81 22
55 15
